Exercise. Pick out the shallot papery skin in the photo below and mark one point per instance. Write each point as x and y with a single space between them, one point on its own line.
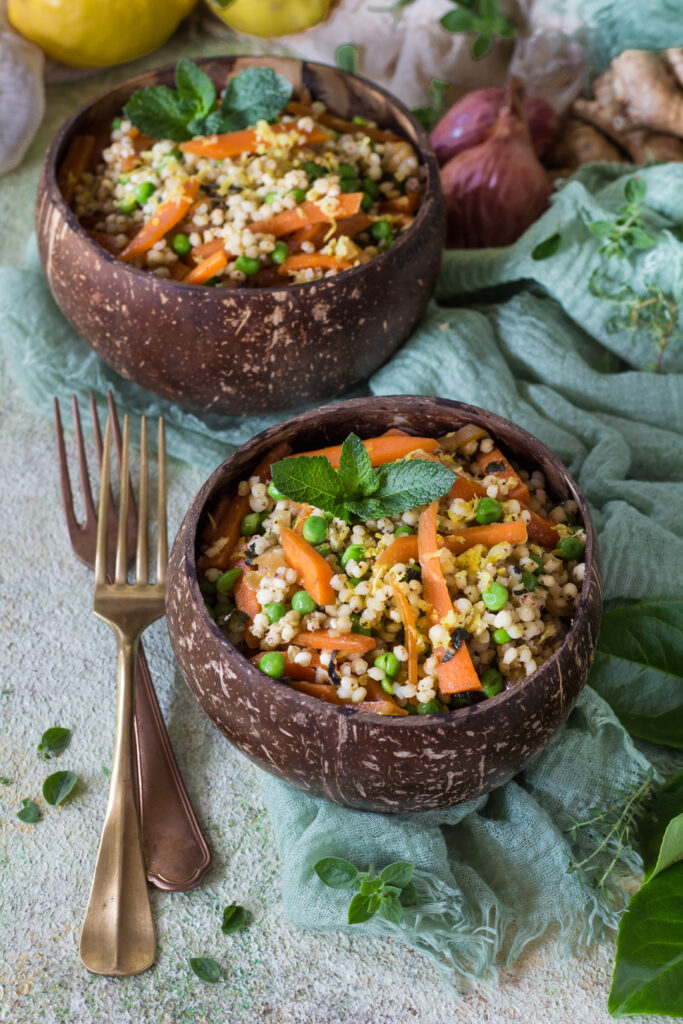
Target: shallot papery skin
470 120
495 190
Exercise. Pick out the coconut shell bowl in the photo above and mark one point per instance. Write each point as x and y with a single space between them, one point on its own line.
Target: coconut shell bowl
352 757
250 349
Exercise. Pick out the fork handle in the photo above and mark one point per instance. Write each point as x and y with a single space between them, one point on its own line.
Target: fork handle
118 932
174 849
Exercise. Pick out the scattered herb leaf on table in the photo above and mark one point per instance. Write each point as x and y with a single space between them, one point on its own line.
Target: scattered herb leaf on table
58 786
53 742
206 968
234 918
29 812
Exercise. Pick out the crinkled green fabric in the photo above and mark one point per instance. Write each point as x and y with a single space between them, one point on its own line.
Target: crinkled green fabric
610 28
525 339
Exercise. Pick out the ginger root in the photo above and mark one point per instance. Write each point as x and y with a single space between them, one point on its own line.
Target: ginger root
649 92
646 147
581 143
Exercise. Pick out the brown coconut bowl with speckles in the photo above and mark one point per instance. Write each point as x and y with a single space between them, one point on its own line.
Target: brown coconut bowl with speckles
243 350
364 760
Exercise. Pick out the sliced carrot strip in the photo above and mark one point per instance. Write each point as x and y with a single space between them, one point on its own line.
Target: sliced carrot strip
400 550
314 233
401 204
543 531
381 707
386 448
409 629
248 140
305 260
466 489
305 673
322 211
351 226
129 162
179 270
434 589
321 640
208 268
494 533
458 673
311 568
167 215
200 252
74 165
323 691
231 512
494 463
338 124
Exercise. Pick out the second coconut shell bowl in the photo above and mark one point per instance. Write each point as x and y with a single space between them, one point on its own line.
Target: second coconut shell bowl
250 349
352 757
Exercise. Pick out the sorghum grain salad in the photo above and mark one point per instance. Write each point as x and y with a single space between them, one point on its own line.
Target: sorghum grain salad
250 188
401 575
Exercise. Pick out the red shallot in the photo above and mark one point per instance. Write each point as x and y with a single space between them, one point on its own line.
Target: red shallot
495 190
470 120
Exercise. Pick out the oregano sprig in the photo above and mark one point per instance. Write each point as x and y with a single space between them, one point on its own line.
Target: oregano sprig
357 488
385 894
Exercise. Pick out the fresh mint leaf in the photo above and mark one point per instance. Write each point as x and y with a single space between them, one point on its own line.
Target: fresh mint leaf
256 94
638 669
311 479
336 872
360 909
29 812
346 57
206 968
53 742
648 971
195 87
661 828
390 909
355 468
234 918
404 485
58 786
158 111
399 873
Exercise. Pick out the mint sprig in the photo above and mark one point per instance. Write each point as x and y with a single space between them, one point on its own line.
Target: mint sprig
356 488
386 894
192 109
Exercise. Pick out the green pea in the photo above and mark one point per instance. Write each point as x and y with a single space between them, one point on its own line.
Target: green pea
380 229
273 664
299 194
270 198
431 707
353 553
181 244
346 171
116 123
280 252
492 682
207 588
315 529
227 581
571 548
488 511
314 170
251 524
356 626
386 242
249 265
529 581
303 603
275 610
360 120
126 206
275 494
495 597
403 531
501 636
144 190
372 188
389 663
387 686
349 185
366 202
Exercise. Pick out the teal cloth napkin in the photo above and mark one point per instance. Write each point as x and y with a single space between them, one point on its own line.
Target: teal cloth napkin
526 339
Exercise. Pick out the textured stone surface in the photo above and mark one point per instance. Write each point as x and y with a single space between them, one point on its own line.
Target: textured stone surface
252 349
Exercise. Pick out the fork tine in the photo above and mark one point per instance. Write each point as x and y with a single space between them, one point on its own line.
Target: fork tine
121 574
132 510
64 479
88 503
102 514
141 568
162 543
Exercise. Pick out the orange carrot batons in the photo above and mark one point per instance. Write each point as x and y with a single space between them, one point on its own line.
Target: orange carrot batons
167 215
310 566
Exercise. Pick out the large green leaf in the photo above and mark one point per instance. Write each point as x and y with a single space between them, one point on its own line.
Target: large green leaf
638 669
661 829
648 973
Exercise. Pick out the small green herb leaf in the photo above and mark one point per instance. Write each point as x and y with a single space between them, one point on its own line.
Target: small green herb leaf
336 872
459 21
390 909
206 968
158 111
648 971
635 190
639 238
601 228
408 897
310 479
234 918
661 828
256 94
548 247
194 87
53 742
369 886
355 468
4 781
359 909
430 115
29 812
58 786
399 873
481 45
346 57
403 485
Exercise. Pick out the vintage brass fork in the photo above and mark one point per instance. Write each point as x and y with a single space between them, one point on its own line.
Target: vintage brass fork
118 933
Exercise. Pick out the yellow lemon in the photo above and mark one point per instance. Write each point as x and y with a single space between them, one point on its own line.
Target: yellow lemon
97 33
271 17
